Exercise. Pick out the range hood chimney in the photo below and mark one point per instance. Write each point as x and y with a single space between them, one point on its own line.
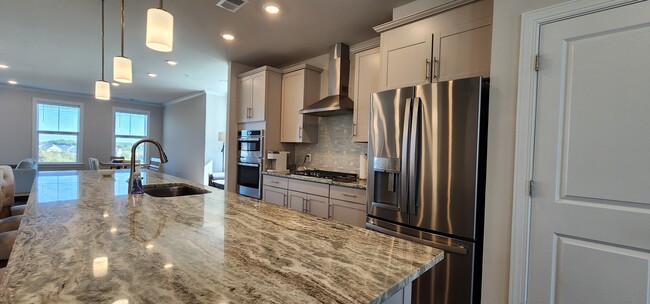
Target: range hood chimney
337 102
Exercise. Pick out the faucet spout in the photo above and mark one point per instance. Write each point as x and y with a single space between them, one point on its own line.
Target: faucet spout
163 157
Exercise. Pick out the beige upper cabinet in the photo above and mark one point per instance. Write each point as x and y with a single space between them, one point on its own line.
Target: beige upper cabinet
300 88
406 57
447 45
465 51
366 82
257 89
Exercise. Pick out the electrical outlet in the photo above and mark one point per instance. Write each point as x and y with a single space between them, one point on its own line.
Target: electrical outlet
308 157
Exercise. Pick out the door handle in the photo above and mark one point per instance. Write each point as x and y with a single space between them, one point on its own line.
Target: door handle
413 157
385 206
406 134
445 247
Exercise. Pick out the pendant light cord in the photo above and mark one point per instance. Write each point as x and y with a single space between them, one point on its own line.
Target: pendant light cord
122 28
102 40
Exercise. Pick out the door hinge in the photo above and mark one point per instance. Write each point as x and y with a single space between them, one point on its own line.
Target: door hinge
536 62
531 188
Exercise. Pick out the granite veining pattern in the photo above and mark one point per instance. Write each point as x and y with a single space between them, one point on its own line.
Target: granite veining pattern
360 184
83 240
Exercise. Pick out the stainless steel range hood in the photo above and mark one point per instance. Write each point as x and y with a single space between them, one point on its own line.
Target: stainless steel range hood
337 102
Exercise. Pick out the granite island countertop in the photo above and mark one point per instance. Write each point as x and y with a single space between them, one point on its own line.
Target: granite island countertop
83 240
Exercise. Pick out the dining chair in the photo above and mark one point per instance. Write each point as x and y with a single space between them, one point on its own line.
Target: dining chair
154 164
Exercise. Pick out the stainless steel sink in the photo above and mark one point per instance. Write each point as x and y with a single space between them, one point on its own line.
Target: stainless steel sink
171 190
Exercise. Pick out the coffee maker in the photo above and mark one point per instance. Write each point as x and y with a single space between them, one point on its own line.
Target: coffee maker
277 161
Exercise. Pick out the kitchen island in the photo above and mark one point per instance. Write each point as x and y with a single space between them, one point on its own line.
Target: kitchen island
84 240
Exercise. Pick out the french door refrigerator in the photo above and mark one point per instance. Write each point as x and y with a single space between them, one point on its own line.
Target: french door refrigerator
426 179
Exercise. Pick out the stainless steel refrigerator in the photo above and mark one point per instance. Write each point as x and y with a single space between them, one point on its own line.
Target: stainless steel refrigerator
426 179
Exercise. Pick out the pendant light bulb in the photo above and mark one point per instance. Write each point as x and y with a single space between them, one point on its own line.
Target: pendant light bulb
122 66
102 90
160 29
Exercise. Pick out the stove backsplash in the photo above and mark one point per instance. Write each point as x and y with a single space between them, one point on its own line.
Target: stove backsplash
335 150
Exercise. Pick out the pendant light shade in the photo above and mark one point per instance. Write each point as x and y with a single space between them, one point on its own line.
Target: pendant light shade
122 66
102 90
122 71
160 29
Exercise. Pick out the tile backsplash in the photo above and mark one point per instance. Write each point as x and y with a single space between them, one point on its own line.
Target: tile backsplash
335 150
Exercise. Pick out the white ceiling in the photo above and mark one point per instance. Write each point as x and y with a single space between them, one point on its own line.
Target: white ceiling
56 45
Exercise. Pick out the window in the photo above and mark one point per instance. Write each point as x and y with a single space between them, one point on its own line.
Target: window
130 127
57 127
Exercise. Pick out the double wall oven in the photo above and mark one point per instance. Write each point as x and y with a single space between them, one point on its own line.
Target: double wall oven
249 165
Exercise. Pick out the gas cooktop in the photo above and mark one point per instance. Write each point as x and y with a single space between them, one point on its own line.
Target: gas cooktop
335 176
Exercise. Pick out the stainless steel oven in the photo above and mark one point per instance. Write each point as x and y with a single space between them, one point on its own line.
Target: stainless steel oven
250 162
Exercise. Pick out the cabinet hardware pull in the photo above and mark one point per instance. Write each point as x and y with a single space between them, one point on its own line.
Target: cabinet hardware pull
436 68
275 182
426 68
348 195
300 132
354 129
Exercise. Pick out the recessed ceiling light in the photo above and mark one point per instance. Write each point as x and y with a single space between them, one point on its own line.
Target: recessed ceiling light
152 75
4 66
115 84
228 36
272 9
172 62
12 82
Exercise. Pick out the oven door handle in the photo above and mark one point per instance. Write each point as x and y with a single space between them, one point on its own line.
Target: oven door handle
248 165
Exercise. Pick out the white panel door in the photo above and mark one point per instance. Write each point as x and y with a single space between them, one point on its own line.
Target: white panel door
590 216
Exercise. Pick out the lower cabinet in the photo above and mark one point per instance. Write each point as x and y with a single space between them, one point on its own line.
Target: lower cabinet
343 204
275 195
349 213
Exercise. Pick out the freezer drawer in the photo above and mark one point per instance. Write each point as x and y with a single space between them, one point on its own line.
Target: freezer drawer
455 280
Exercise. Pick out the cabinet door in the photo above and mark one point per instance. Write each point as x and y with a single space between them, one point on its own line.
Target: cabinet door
318 206
258 100
366 82
293 87
408 62
275 196
349 213
297 200
245 98
465 54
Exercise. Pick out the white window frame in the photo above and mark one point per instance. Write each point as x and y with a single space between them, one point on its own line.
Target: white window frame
147 126
35 132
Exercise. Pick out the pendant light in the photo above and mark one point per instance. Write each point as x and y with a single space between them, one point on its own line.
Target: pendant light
122 67
102 88
160 29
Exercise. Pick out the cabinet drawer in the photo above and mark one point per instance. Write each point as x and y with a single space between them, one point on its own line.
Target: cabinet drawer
348 194
275 181
309 187
349 213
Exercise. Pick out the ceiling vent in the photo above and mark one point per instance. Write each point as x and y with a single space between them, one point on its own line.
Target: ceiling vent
231 5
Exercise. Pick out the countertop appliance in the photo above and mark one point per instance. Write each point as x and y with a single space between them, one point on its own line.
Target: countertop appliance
249 163
277 161
335 176
426 179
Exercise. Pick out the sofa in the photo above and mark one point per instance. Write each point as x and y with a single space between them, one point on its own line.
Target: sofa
24 175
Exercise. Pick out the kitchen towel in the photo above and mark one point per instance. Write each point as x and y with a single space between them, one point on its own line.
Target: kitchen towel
363 166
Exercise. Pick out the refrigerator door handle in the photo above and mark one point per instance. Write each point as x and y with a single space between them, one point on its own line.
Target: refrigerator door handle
445 247
413 157
385 206
403 187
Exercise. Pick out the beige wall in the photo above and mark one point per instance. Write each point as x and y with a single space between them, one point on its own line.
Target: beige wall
16 119
501 141
184 138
